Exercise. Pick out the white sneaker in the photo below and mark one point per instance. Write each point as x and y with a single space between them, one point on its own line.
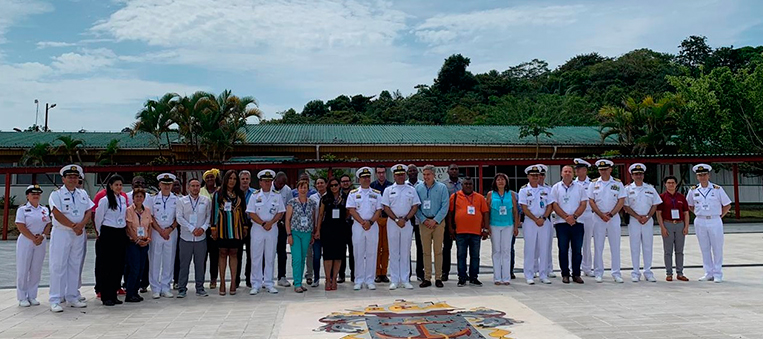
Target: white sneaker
283 282
254 291
651 279
718 280
530 282
408 286
551 275
588 274
78 304
34 302
618 280
537 274
82 298
371 287
272 290
392 286
56 308
168 294
545 281
156 296
24 303
635 279
357 287
598 279
706 278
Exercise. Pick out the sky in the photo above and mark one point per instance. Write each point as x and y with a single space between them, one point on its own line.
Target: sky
100 60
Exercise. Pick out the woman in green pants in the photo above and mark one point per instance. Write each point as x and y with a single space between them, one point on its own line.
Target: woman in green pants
300 225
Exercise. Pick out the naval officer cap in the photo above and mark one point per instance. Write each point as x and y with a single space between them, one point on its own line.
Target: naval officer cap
532 169
33 189
71 169
166 178
604 163
637 168
363 172
543 169
399 169
581 163
266 174
702 168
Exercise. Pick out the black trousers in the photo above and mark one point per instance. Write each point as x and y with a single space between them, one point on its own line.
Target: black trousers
419 252
214 254
343 266
176 267
248 269
570 235
110 259
281 250
447 246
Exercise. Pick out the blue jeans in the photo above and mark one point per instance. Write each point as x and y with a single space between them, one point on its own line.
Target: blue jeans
316 260
570 235
471 243
136 265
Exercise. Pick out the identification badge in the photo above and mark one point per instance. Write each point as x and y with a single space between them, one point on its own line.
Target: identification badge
706 207
45 219
228 206
471 210
121 221
503 210
303 221
193 219
75 213
165 217
566 199
542 204
674 214
141 232
427 204
335 213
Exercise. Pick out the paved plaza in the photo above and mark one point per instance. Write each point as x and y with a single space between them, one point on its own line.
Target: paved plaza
733 309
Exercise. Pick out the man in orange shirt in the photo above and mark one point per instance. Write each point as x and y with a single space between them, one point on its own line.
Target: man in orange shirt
468 219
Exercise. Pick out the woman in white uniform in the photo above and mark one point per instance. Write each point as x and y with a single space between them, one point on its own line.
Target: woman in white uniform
33 222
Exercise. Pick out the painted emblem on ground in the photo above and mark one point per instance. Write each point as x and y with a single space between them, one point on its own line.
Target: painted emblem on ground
406 319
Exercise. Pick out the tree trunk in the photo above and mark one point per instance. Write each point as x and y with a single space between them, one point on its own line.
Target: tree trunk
537 147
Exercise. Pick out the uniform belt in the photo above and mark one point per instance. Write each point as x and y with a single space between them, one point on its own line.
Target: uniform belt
708 216
675 221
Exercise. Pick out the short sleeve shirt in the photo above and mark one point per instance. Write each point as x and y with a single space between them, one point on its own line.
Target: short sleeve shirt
469 210
568 198
400 198
71 204
585 184
537 199
366 201
641 198
34 218
164 209
606 193
707 201
303 215
266 205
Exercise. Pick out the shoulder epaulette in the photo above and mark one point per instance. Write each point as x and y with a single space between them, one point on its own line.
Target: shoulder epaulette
375 190
523 186
277 191
595 180
256 191
616 179
354 190
716 186
694 187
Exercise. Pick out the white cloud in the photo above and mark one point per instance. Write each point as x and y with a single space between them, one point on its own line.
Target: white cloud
87 61
14 11
54 44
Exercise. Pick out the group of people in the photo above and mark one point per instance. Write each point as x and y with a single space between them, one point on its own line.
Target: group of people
146 240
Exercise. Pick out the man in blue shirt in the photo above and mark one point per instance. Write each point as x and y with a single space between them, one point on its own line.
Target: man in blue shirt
382 259
453 185
431 216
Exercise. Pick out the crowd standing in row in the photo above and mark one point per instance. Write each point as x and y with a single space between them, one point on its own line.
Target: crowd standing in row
146 240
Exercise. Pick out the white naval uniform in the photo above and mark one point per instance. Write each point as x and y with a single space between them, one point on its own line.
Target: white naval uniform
366 201
708 203
587 220
161 260
537 200
266 205
400 199
29 257
641 199
67 248
606 195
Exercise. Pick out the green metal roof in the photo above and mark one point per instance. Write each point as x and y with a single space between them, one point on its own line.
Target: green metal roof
91 139
275 134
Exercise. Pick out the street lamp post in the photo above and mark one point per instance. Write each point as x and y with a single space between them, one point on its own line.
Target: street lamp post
48 107
36 113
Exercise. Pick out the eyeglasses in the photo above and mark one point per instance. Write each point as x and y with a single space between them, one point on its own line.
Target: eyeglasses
334 185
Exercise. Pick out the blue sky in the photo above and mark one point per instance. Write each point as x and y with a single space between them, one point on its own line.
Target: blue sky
100 60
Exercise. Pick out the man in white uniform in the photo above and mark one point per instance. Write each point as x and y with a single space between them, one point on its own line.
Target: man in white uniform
536 202
641 204
72 210
265 208
164 241
364 206
401 202
710 203
581 171
606 195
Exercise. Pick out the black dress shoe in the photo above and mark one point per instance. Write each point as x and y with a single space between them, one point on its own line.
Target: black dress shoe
461 282
378 279
566 280
108 303
134 299
578 280
438 283
475 282
117 301
444 278
384 279
513 276
141 298
340 280
425 283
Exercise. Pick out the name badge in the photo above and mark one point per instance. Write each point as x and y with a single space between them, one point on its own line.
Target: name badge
141 232
165 217
303 221
120 221
427 204
335 213
193 219
45 219
706 207
228 206
674 214
75 213
503 210
471 210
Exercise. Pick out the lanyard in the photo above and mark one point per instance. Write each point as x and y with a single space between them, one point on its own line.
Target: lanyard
501 196
193 206
304 207
119 202
164 202
567 188
704 195
140 219
74 201
470 198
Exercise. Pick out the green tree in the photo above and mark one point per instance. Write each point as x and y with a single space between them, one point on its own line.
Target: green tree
694 51
70 147
535 127
106 157
155 118
37 155
222 121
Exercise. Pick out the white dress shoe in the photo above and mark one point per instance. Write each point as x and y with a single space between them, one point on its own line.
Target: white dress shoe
357 287
56 308
598 279
618 280
34 302
551 275
24 303
371 287
706 278
392 286
168 294
635 279
408 286
651 279
530 282
545 281
254 291
272 290
718 280
156 296
78 304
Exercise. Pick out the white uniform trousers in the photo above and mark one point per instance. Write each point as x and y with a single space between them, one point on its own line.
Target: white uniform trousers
641 239
82 263
587 264
65 264
365 248
500 241
29 258
550 248
710 236
161 261
263 244
610 230
536 242
400 240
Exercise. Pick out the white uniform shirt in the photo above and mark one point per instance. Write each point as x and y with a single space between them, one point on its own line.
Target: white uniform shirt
113 218
606 193
366 201
146 202
192 214
641 198
72 205
537 199
585 184
568 198
317 198
266 204
286 195
34 218
164 209
400 199
707 201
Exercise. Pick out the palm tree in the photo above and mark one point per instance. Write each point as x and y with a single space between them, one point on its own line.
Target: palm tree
107 156
187 117
70 147
642 125
221 120
155 118
535 126
37 154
